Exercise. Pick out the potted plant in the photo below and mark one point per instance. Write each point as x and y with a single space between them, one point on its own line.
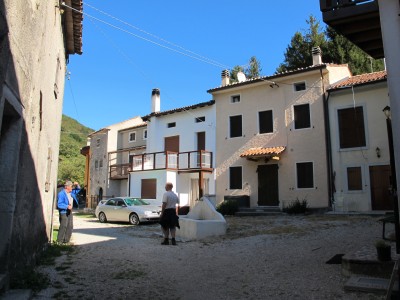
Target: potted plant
384 250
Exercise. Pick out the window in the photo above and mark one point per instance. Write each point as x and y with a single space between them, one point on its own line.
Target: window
149 188
305 175
145 134
235 178
351 127
302 116
235 98
200 119
172 124
266 124
132 136
299 86
100 163
354 179
96 164
98 143
235 126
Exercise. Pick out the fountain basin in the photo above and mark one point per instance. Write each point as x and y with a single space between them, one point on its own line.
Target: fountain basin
201 222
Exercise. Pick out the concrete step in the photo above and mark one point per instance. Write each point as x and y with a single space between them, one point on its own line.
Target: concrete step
259 211
370 285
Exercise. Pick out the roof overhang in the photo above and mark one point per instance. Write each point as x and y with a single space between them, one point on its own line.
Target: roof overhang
257 153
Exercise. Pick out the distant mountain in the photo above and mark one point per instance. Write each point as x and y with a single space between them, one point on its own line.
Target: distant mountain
71 161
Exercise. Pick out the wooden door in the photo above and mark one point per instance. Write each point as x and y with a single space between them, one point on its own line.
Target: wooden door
380 183
268 189
171 143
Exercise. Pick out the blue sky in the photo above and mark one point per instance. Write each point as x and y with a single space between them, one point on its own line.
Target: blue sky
112 80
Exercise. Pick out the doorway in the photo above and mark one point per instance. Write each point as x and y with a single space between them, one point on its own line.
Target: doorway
268 189
379 177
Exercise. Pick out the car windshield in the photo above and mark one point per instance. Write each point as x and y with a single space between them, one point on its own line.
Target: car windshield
135 202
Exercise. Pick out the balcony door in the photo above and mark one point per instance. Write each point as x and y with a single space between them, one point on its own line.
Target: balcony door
171 143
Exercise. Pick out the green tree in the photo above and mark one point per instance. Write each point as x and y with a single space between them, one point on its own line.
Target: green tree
253 70
71 162
233 73
334 47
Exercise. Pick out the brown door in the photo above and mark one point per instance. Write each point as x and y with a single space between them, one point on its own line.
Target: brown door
380 183
268 193
201 145
171 143
201 140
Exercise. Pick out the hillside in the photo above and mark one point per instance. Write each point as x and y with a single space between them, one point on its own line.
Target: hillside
71 161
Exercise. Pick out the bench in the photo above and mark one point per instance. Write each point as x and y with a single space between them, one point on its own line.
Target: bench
388 219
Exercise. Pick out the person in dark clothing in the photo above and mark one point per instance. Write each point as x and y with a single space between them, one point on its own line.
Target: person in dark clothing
169 219
75 194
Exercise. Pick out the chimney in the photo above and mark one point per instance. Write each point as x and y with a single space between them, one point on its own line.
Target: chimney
225 77
316 56
155 100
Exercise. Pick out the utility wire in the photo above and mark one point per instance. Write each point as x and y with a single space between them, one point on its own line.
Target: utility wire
157 37
147 40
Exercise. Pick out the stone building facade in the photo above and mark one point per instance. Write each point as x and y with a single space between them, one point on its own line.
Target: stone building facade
36 38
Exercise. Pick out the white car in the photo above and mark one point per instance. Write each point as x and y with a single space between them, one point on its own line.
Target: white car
127 209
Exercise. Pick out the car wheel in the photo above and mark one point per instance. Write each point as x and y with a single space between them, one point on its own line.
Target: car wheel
102 217
134 219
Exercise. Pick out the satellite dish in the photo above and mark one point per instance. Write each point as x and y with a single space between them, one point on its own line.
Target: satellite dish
240 76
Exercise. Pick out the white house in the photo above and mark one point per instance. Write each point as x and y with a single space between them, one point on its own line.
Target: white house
180 149
359 143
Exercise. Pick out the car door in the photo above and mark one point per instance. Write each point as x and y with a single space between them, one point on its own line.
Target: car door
108 209
121 213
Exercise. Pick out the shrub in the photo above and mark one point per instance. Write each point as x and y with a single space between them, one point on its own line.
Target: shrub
228 207
296 207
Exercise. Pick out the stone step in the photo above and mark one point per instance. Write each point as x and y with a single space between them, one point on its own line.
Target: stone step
370 285
257 213
260 209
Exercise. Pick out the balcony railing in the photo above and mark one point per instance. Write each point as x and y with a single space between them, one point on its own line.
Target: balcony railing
182 161
119 171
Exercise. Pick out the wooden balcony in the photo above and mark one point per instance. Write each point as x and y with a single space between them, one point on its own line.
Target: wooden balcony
358 21
190 161
119 171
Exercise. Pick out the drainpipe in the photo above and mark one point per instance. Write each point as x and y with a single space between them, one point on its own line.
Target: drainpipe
328 144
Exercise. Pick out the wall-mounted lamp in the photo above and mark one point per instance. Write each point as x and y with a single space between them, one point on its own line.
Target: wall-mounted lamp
387 113
378 152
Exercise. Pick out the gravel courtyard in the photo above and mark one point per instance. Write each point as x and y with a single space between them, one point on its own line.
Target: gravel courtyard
268 257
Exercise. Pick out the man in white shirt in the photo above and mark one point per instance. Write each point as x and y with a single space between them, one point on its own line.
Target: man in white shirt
169 219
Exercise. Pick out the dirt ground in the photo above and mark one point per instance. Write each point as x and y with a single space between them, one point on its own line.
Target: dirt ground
268 257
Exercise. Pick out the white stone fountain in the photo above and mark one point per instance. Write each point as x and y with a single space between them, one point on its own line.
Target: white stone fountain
202 221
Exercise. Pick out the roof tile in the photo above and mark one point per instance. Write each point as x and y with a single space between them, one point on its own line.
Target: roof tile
261 151
360 79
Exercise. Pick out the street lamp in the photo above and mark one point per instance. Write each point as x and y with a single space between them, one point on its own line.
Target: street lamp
393 182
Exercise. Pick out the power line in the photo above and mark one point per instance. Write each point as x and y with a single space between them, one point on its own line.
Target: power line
208 61
157 37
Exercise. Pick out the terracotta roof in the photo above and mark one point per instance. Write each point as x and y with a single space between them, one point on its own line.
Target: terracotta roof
272 77
73 26
172 111
360 80
260 151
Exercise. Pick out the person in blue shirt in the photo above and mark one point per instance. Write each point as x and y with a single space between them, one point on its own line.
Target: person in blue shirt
64 205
